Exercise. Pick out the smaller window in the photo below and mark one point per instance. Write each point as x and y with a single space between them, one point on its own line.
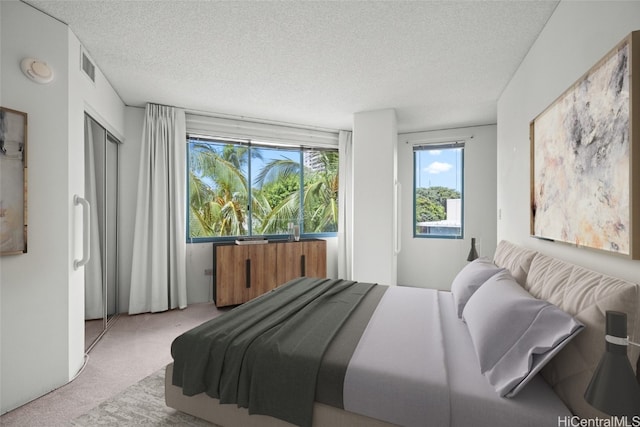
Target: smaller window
438 190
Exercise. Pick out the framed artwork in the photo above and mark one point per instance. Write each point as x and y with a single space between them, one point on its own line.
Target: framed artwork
585 158
13 182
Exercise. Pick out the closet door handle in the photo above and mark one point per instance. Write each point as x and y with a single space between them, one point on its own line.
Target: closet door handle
303 265
247 267
397 223
86 231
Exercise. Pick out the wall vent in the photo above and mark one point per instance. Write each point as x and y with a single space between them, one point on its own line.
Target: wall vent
88 67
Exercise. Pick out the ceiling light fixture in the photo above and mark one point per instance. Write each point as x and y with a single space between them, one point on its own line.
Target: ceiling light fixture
36 70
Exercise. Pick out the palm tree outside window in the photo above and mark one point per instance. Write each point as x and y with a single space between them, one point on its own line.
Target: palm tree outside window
244 188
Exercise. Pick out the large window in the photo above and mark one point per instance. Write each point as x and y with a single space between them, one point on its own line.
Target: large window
438 190
244 188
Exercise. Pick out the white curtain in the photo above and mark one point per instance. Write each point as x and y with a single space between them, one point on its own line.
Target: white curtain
345 205
93 290
158 275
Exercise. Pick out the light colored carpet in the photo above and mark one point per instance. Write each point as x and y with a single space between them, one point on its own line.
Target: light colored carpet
138 405
133 348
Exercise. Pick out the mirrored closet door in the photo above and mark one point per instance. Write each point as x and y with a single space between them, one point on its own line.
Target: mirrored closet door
101 190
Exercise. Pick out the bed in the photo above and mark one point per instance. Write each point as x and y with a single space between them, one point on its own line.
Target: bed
380 356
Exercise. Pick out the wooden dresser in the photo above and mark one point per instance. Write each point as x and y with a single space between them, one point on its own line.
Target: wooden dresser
243 272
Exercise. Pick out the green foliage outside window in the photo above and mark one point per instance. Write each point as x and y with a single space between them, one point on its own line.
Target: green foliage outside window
222 203
438 190
431 203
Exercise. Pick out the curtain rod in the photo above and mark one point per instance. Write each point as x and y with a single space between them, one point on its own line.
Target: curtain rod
454 138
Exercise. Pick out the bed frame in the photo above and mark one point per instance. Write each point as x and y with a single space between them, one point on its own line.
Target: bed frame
210 409
585 294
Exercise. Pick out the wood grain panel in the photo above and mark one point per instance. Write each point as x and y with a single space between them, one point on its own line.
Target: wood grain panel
231 275
263 269
243 272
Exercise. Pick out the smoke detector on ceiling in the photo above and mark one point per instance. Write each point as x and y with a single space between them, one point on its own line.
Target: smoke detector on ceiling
36 70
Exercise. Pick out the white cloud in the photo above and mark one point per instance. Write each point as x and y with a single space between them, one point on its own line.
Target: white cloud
438 167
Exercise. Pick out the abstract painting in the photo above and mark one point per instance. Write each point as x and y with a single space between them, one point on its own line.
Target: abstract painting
13 182
583 161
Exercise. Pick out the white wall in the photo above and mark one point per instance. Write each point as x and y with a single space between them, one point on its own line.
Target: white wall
433 263
576 36
41 296
375 140
35 291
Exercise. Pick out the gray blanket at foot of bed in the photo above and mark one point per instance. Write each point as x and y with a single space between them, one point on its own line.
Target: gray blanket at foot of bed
265 355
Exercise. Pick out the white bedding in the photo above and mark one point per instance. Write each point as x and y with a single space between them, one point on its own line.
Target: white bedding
474 401
415 365
397 372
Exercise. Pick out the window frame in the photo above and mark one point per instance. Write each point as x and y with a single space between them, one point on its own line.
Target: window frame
438 146
252 144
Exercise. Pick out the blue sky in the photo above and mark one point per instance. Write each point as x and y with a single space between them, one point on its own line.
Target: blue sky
269 155
438 168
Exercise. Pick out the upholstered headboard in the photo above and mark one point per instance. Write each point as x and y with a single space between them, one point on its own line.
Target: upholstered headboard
586 295
515 259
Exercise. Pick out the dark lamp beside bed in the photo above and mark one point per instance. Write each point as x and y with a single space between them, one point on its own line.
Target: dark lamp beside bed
614 389
473 254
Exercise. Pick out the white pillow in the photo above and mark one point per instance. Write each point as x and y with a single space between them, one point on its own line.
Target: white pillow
469 279
513 333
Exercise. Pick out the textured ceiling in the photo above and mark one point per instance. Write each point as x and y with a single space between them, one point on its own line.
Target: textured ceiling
440 64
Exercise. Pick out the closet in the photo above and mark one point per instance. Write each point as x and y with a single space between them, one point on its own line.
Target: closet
101 191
